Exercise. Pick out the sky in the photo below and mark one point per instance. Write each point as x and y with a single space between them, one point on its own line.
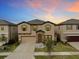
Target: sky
48 10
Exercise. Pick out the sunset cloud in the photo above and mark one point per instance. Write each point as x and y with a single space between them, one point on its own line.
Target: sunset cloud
52 10
50 17
35 4
74 7
48 6
45 5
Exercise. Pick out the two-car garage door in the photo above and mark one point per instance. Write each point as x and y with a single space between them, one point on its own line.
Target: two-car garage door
27 39
72 38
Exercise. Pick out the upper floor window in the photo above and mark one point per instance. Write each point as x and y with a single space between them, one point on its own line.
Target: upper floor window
2 28
69 27
48 27
78 27
34 28
24 27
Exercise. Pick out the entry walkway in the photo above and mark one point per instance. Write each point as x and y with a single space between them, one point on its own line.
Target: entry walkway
24 51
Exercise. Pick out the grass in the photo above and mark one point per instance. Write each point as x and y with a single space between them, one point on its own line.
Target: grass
8 48
2 57
58 57
60 47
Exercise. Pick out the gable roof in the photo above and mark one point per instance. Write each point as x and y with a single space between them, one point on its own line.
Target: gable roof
49 22
22 22
36 22
40 31
5 22
70 22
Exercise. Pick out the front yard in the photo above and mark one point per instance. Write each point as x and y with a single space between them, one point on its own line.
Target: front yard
60 47
8 48
2 57
58 57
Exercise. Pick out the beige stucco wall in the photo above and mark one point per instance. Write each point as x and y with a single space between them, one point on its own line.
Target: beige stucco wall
42 27
5 31
31 32
64 32
20 28
9 31
51 32
63 28
27 32
13 32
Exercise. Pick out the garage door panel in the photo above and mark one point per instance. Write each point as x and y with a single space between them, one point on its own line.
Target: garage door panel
73 38
27 39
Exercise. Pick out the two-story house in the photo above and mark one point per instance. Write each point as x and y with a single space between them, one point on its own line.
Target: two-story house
40 30
69 30
7 30
36 29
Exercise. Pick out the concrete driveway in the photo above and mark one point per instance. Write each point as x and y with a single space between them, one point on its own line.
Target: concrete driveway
75 45
24 50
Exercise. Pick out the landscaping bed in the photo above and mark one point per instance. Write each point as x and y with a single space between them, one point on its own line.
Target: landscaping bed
9 47
58 57
59 47
2 57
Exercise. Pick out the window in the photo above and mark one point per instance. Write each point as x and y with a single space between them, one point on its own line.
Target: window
3 37
48 36
24 27
2 28
69 27
34 28
78 27
47 27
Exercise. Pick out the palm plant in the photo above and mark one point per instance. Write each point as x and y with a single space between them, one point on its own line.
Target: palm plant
49 43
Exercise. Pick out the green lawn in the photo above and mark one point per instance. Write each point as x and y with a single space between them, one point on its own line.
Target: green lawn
60 47
2 57
58 57
8 48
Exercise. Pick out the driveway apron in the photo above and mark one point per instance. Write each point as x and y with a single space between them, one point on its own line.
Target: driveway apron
24 50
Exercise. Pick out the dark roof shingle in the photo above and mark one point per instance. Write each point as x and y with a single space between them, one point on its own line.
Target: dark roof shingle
36 21
5 22
70 22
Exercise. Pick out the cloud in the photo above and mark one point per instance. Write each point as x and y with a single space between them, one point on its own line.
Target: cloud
48 6
17 3
35 3
50 17
74 7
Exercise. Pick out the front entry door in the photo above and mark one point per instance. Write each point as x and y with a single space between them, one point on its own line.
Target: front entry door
40 38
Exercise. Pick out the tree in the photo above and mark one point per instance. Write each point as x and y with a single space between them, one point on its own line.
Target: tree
49 43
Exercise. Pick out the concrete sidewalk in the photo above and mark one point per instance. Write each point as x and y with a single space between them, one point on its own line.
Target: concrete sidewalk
23 51
74 44
55 53
1 43
5 53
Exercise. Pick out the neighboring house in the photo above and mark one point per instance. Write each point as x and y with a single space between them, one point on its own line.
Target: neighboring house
69 30
7 29
36 29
